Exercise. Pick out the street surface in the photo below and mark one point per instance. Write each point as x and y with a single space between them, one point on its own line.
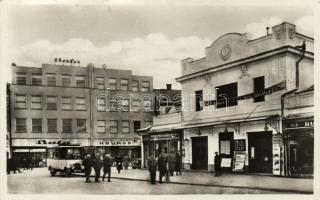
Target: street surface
39 181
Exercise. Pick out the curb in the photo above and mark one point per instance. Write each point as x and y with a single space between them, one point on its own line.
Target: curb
215 185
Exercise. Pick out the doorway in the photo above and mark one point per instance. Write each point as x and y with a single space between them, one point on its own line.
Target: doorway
200 153
260 152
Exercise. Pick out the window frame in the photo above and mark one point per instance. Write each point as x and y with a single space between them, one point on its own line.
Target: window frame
124 84
21 75
80 104
19 125
22 102
49 82
82 130
35 126
145 88
100 82
256 89
64 130
99 126
34 80
64 77
113 85
80 81
114 127
122 126
64 103
56 103
49 130
35 102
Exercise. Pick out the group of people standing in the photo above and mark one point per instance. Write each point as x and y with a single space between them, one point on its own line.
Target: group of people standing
166 165
97 164
15 164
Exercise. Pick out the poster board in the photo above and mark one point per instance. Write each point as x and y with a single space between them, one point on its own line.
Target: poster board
226 162
240 145
239 161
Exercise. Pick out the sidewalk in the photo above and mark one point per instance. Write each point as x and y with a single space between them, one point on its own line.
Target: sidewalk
271 183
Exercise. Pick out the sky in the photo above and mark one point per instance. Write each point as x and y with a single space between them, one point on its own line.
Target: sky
148 39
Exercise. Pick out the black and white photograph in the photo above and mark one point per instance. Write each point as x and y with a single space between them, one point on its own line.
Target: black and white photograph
158 98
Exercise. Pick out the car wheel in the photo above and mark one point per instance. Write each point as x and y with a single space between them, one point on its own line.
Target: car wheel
67 172
52 172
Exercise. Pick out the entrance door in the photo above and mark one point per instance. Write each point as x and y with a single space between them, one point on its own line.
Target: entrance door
260 152
200 153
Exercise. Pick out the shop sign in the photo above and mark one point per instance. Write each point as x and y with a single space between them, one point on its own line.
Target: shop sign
239 161
226 162
299 124
119 142
163 136
276 159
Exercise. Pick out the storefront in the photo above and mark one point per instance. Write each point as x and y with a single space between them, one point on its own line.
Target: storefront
300 134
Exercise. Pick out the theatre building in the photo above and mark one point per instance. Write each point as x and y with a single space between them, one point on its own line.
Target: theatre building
232 103
93 107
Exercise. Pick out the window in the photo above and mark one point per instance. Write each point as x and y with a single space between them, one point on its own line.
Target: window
66 103
145 86
52 126
125 126
51 79
21 78
112 83
20 101
36 79
81 103
101 126
51 103
136 125
21 125
81 126
135 86
113 126
80 81
199 100
67 125
227 95
100 82
124 84
148 123
135 105
36 125
66 80
258 87
36 102
125 105
101 104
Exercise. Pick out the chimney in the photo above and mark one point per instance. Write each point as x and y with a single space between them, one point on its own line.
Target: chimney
169 86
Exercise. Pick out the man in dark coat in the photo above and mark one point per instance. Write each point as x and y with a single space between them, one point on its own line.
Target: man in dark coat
107 163
152 165
119 163
172 162
97 167
162 166
87 163
178 164
217 164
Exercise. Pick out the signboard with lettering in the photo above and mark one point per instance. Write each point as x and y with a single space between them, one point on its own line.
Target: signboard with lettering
225 147
226 162
239 161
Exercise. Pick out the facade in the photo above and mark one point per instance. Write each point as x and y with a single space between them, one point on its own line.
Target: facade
232 100
94 107
162 135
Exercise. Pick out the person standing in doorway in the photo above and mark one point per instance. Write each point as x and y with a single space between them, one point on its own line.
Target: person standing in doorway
217 164
178 164
152 165
172 162
162 166
107 163
119 163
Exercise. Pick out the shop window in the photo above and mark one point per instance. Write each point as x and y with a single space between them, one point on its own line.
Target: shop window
112 83
145 87
21 78
125 126
81 81
67 125
20 101
135 86
51 103
100 82
81 103
81 126
136 125
258 86
124 84
101 126
36 79
199 100
51 79
52 125
21 125
36 125
66 80
113 126
36 102
66 103
227 95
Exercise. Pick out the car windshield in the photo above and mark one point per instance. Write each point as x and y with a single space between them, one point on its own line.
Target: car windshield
69 153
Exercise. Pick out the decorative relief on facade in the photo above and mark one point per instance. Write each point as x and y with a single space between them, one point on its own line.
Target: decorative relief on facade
244 72
225 52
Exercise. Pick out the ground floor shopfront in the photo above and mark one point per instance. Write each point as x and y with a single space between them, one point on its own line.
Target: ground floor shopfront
255 146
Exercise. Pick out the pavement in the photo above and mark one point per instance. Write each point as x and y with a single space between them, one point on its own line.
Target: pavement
245 181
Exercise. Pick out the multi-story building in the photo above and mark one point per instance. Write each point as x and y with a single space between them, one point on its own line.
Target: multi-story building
90 106
232 101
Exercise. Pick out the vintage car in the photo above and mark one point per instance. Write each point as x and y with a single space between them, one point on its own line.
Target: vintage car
66 159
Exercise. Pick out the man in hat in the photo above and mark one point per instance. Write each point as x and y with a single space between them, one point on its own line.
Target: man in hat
87 163
107 163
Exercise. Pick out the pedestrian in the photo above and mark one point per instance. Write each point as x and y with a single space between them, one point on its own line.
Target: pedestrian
24 163
87 163
126 162
152 165
15 165
178 164
119 163
107 163
217 164
97 167
163 166
172 162
29 162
